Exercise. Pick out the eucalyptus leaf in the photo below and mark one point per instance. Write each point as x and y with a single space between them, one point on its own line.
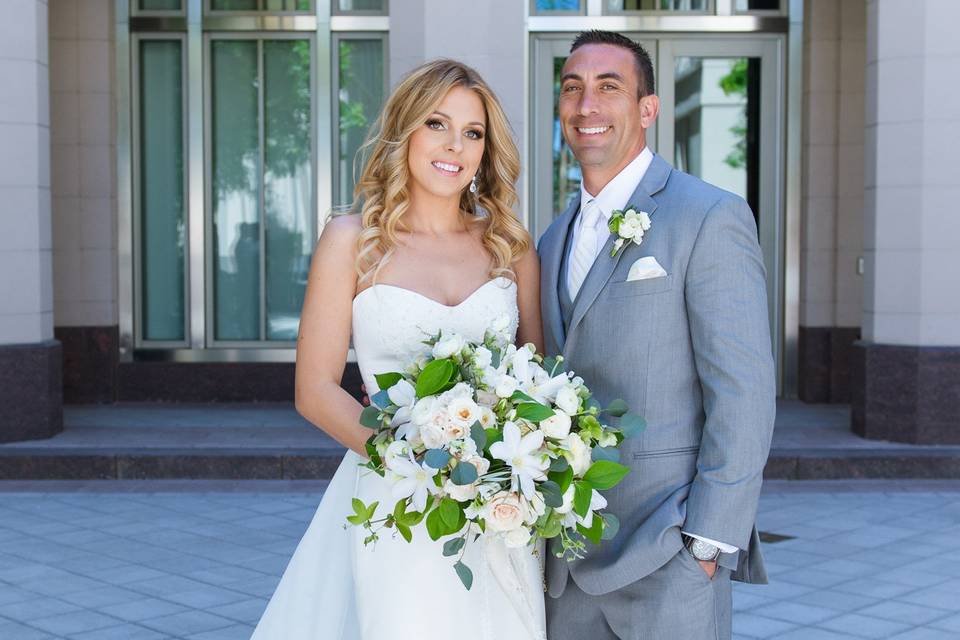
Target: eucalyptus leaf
381 399
632 424
437 458
611 454
617 408
464 573
611 525
464 473
452 547
552 365
552 495
559 464
370 417
479 435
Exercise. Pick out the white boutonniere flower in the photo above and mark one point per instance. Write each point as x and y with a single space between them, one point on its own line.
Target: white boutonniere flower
629 225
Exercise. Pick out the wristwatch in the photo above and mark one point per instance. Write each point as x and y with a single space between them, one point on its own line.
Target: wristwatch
702 551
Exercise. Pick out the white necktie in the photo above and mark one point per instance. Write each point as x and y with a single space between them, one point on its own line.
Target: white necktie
585 251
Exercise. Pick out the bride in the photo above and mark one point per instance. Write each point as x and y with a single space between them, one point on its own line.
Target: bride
436 246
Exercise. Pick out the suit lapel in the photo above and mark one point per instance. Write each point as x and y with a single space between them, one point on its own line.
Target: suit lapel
552 257
603 267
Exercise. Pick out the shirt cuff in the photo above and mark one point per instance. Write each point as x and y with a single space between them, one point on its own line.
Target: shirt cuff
723 546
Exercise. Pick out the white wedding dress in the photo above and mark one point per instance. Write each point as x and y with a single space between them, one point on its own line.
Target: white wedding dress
334 587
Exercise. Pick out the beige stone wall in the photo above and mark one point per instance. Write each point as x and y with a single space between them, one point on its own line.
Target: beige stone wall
26 297
83 152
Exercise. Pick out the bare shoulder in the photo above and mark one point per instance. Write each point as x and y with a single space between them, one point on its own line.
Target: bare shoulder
527 265
340 235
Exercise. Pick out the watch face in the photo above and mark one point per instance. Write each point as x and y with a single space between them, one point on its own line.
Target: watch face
703 550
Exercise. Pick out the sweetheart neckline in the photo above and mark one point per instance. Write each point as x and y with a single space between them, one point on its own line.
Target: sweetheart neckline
428 298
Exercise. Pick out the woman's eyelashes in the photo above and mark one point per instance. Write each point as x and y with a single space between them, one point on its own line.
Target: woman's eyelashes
437 125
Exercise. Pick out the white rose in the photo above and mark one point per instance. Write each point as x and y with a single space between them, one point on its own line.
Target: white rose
503 512
432 435
567 400
448 345
628 228
423 411
482 464
644 218
578 454
488 419
460 492
464 412
483 357
453 431
506 386
556 426
517 538
396 449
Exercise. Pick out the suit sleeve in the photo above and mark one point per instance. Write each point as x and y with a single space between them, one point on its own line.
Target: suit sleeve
726 303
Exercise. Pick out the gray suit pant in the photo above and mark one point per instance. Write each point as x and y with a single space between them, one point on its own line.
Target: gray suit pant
676 602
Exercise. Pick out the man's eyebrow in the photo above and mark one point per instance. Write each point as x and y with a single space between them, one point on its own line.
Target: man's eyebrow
610 75
570 76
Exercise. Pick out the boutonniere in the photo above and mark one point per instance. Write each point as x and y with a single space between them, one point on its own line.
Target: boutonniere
628 225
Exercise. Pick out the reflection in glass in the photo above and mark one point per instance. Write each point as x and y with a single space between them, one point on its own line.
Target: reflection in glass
566 169
345 6
717 113
234 5
235 190
288 195
558 5
617 6
260 5
160 5
757 5
162 224
361 94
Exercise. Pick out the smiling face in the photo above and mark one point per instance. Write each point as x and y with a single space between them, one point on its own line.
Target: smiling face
445 152
601 114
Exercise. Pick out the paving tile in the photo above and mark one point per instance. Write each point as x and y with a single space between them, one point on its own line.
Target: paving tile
838 600
801 614
143 609
756 626
15 630
865 626
28 610
925 633
904 612
74 622
187 623
943 596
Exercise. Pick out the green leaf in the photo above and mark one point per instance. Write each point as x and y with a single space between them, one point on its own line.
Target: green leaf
359 507
435 526
449 512
405 532
479 435
387 380
493 435
553 366
463 473
533 411
495 357
617 408
562 478
632 424
464 573
552 495
611 525
452 547
595 533
605 453
437 458
381 399
559 464
582 492
434 377
520 396
370 417
550 526
356 520
605 474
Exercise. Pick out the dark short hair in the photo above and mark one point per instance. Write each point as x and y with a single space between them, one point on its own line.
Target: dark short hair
640 56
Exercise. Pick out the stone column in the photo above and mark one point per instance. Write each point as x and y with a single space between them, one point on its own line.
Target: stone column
908 363
31 400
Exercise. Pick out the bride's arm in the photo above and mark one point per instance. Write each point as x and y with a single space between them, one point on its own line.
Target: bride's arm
527 269
324 336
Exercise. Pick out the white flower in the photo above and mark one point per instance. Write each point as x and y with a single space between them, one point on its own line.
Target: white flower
414 481
398 449
568 401
482 357
481 464
517 538
506 386
556 426
463 412
423 410
402 394
522 454
487 399
448 345
453 431
460 492
578 454
503 512
607 439
597 502
487 419
432 435
463 449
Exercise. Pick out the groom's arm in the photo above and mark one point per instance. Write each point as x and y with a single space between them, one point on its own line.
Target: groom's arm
727 310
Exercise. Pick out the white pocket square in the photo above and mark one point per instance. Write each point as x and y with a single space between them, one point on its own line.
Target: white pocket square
645 268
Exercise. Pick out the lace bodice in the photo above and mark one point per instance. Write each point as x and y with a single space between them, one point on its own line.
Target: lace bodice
390 323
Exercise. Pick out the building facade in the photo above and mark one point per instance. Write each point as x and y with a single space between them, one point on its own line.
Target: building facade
169 164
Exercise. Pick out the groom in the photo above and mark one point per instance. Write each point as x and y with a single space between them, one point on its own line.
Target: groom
677 327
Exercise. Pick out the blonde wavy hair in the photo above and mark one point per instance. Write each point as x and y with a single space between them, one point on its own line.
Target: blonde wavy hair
383 186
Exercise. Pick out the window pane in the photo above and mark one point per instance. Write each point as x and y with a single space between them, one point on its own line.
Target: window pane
160 5
557 5
758 5
717 119
233 5
162 228
344 6
361 94
286 5
616 6
288 193
566 169
235 190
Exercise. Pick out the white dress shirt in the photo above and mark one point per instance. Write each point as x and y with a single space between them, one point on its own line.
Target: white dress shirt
615 195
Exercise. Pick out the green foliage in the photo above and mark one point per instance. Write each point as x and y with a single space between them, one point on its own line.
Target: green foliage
605 474
370 417
434 377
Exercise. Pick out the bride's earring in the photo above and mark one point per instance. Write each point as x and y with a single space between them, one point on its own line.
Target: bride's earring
473 185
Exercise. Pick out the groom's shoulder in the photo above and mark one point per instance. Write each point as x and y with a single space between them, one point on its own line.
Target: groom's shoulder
694 194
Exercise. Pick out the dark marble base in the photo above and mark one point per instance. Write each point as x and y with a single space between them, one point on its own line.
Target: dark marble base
825 355
31 395
90 356
215 381
906 394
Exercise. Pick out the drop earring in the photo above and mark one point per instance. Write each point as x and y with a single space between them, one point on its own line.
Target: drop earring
473 185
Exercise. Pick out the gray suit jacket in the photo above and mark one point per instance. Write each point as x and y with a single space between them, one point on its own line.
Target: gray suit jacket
690 352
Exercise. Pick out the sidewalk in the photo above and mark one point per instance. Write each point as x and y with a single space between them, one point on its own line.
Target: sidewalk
271 441
175 559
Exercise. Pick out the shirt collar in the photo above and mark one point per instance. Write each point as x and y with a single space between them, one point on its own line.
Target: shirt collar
617 192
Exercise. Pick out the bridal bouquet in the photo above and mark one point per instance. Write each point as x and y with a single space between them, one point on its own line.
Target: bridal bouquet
493 439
